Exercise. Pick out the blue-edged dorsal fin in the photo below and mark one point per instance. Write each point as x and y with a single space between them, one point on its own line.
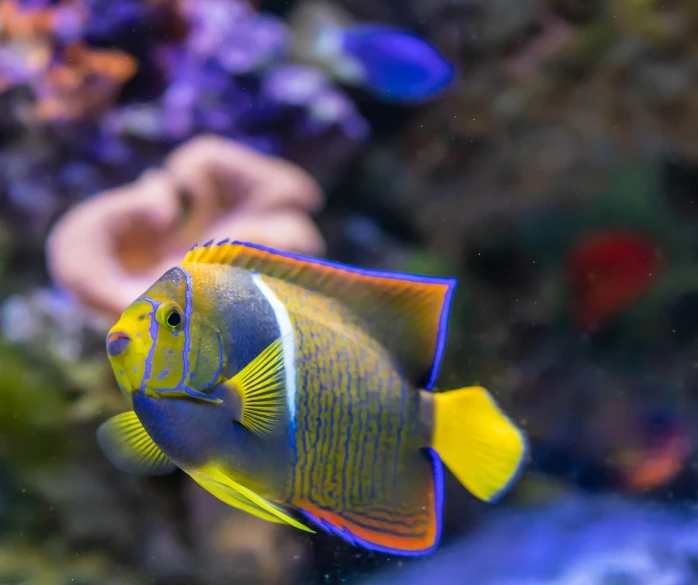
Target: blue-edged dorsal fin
407 313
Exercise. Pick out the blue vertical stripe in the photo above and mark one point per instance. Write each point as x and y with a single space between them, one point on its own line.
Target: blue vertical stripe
153 331
188 309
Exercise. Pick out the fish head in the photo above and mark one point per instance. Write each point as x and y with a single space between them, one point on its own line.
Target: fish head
162 344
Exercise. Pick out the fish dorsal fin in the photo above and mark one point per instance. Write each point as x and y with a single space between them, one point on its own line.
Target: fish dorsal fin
213 479
261 385
128 446
408 314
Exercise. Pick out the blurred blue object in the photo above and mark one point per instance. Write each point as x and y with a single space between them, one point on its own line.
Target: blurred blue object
576 540
393 64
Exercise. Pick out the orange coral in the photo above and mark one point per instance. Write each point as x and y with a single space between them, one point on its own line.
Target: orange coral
85 84
21 23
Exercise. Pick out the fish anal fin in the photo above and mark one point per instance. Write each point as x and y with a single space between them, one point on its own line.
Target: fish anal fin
128 446
407 313
376 532
406 525
214 480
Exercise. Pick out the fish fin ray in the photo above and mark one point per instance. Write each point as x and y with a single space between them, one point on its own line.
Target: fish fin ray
363 529
394 527
261 385
407 313
477 442
222 486
128 446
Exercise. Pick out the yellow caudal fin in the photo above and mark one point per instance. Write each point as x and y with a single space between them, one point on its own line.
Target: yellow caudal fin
478 442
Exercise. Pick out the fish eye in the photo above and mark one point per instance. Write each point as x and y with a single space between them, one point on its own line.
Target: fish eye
174 319
170 315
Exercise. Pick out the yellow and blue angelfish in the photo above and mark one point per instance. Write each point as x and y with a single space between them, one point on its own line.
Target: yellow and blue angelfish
280 382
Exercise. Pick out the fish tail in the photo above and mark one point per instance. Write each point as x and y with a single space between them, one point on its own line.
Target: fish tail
478 442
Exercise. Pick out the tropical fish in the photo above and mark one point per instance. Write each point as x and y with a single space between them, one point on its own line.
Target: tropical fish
280 382
608 271
394 64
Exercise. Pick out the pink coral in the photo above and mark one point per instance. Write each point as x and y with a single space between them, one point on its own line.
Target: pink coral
109 249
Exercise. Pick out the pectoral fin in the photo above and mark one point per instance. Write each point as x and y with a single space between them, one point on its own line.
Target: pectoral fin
128 446
219 484
261 385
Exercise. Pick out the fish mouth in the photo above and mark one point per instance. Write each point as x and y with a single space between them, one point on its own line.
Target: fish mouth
117 342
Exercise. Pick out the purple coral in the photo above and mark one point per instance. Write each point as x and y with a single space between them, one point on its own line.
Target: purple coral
226 75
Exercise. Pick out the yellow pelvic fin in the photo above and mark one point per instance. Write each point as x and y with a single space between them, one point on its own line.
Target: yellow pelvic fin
478 442
261 385
219 484
128 446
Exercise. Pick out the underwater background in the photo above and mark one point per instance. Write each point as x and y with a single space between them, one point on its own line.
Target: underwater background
544 152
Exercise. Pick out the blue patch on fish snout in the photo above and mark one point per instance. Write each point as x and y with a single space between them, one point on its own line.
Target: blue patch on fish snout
117 344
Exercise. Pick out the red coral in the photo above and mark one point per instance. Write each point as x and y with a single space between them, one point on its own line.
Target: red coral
608 271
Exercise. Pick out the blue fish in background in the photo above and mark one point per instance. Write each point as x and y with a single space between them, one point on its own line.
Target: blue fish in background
393 64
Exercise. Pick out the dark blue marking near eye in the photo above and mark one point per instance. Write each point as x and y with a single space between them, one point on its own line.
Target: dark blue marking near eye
153 330
187 325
